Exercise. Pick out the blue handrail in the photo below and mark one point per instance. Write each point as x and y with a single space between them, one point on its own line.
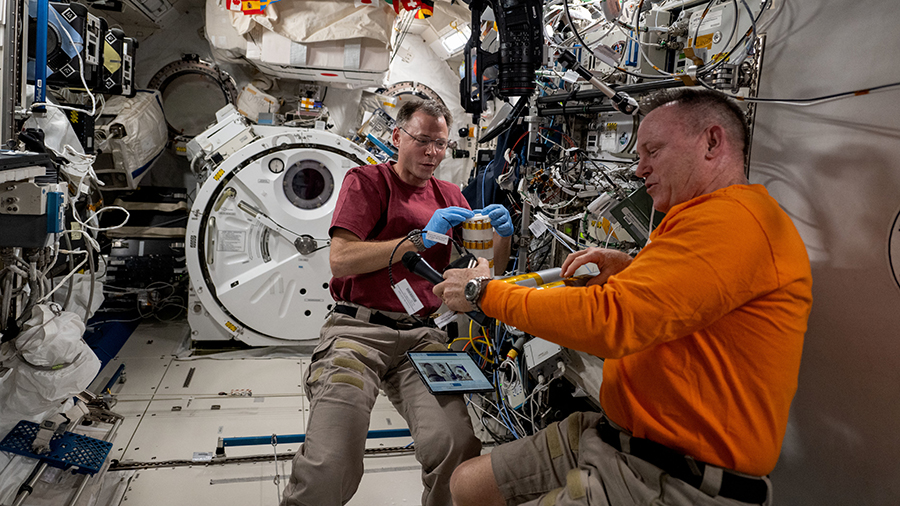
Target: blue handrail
40 54
299 438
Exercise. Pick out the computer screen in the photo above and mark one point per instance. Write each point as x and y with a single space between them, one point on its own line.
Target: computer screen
449 372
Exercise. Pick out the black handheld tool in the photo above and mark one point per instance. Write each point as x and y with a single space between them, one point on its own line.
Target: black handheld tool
417 265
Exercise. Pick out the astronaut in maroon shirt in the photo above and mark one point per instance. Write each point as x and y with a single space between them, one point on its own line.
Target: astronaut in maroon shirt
363 343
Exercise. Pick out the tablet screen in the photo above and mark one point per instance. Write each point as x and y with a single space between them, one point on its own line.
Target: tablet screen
449 372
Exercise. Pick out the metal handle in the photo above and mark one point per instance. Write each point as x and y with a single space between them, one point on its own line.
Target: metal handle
211 233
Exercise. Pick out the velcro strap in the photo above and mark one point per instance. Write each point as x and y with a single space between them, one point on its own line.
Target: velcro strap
348 379
349 363
554 444
358 348
712 481
574 485
574 432
550 497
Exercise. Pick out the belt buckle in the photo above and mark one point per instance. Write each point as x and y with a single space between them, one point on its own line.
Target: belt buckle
695 469
405 324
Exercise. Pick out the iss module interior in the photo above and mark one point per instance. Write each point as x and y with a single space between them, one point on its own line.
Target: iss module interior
257 237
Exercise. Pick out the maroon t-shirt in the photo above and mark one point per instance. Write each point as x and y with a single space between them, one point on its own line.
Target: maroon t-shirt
376 205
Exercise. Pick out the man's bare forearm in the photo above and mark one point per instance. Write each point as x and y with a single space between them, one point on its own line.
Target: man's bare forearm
350 255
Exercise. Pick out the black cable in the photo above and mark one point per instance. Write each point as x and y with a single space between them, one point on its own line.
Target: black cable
497 439
572 26
507 123
586 47
402 36
864 91
459 249
619 191
546 255
540 247
753 30
176 220
546 244
391 260
734 26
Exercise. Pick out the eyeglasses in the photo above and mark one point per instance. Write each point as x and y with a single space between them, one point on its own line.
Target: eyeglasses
439 144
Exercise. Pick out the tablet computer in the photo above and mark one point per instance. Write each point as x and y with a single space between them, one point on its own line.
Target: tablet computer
449 372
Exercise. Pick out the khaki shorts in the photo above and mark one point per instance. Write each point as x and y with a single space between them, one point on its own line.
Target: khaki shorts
568 464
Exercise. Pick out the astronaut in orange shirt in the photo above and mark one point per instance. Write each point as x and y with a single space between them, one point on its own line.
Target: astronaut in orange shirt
702 334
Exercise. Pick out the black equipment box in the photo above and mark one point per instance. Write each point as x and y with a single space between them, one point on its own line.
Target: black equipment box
137 263
83 124
117 72
73 45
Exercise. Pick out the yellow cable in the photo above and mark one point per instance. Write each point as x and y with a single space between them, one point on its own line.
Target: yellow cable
472 341
457 339
468 340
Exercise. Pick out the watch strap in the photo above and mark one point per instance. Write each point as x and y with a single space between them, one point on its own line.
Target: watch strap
482 282
415 237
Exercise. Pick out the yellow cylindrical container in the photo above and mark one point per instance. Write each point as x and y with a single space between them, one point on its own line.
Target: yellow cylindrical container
548 278
555 284
533 279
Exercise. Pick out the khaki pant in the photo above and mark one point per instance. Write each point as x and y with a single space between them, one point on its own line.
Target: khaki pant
568 464
352 361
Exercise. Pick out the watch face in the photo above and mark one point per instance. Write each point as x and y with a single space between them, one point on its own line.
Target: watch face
472 289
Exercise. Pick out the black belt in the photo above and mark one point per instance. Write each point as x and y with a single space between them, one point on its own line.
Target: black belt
739 488
380 318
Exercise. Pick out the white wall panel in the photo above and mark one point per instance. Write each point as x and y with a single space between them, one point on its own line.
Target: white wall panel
834 168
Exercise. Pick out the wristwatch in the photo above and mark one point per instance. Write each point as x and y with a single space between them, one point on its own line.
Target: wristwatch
415 237
475 289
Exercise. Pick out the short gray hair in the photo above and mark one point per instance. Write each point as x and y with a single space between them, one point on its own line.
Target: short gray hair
701 107
432 108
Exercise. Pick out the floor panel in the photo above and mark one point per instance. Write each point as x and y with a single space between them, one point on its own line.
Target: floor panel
133 411
155 339
238 484
393 480
141 377
173 429
258 377
176 407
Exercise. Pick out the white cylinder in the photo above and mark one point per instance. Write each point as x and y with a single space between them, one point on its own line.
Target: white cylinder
478 238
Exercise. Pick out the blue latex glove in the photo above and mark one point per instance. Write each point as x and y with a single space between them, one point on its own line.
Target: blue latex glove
500 219
443 220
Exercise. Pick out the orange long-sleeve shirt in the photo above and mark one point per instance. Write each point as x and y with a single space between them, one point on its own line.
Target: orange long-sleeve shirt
702 332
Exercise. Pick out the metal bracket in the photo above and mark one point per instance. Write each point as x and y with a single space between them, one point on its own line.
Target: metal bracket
759 47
